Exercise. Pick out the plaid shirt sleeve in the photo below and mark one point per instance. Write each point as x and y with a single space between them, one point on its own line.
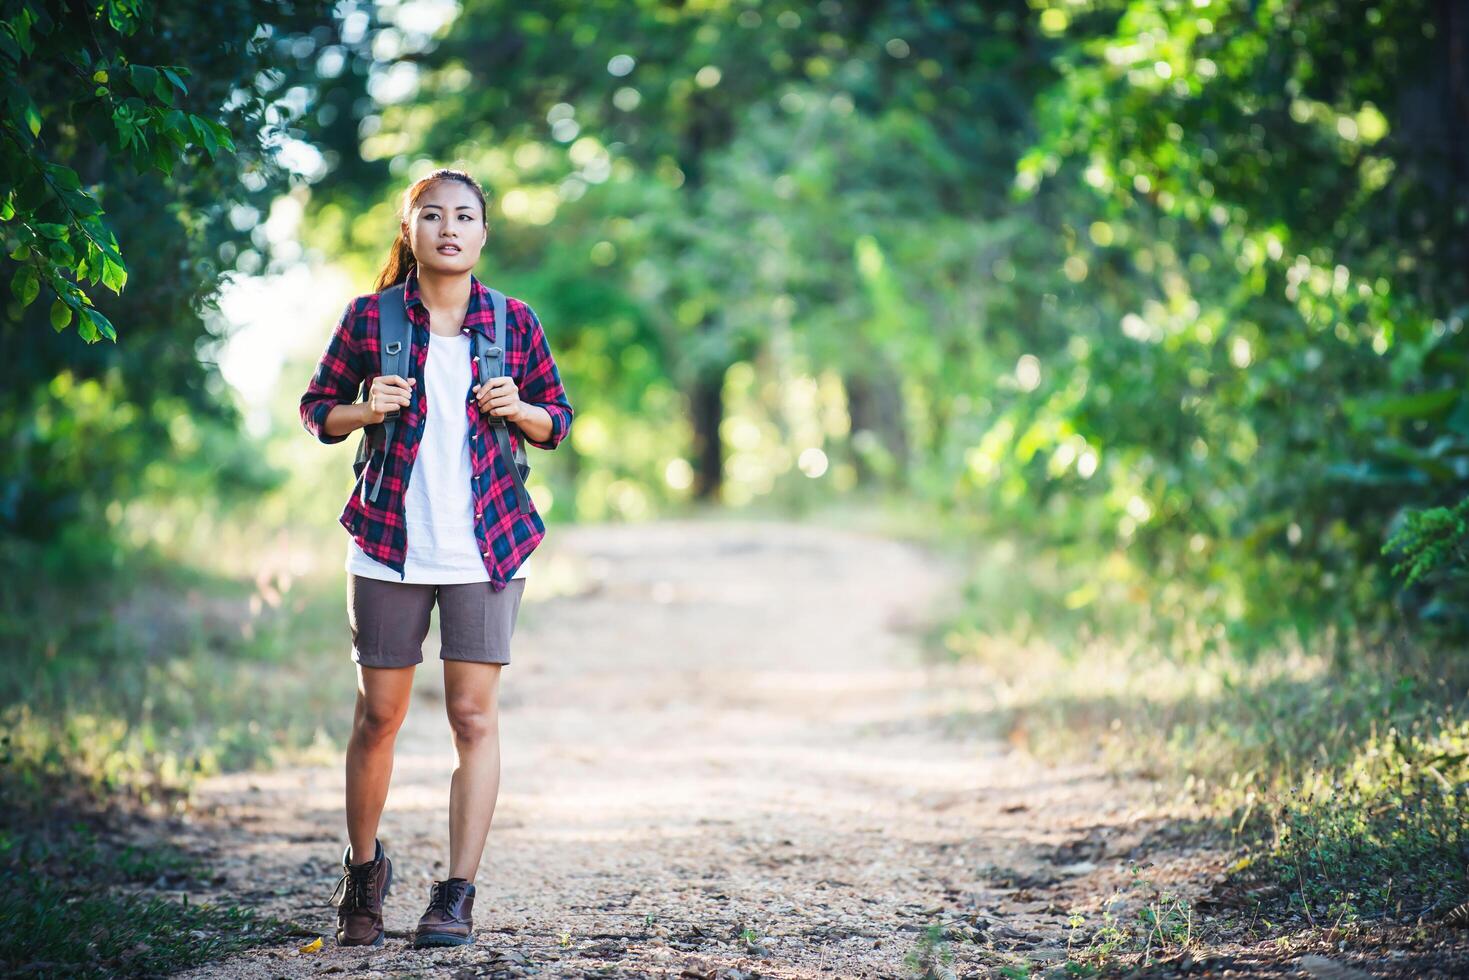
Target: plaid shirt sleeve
337 380
541 384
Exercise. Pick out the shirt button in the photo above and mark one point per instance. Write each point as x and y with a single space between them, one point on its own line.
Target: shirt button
476 515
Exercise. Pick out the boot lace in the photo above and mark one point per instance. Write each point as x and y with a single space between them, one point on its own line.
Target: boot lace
354 891
444 894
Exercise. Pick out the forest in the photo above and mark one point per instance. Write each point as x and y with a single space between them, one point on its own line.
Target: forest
1147 315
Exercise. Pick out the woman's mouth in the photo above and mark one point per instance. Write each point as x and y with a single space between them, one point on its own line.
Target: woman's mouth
448 249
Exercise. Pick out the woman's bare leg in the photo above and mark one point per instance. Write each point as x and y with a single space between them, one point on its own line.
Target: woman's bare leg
382 704
471 697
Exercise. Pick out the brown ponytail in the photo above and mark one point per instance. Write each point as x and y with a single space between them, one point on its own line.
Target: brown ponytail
400 254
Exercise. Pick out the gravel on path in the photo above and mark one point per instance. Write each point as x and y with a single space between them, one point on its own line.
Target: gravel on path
723 756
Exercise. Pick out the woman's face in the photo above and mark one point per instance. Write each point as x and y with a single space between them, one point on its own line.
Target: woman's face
447 215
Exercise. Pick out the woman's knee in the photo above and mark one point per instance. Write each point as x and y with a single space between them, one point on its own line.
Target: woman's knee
377 723
471 721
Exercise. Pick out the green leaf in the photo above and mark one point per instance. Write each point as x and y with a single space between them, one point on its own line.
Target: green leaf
174 78
83 204
63 176
61 253
26 285
162 158
32 117
8 45
103 237
51 229
21 25
1425 405
60 315
214 135
122 118
122 17
100 323
175 132
205 133
32 192
1415 457
145 80
86 329
114 273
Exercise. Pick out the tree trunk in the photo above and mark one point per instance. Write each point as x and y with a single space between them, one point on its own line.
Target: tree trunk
875 406
707 407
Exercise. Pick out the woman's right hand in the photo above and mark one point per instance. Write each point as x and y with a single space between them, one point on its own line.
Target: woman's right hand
389 393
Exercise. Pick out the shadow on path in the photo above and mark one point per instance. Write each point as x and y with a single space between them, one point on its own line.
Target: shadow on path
709 731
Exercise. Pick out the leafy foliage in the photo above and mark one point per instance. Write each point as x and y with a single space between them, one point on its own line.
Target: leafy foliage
1433 546
1385 835
56 227
1254 197
1165 284
161 122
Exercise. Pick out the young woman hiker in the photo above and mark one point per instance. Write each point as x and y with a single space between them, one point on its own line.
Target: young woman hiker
446 526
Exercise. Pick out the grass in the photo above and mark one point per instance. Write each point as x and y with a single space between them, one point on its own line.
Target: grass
78 901
121 691
1384 835
1161 922
164 674
1340 782
931 958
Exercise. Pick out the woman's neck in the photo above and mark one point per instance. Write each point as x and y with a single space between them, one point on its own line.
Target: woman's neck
446 297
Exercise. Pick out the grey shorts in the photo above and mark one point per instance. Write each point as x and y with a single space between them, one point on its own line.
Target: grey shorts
389 620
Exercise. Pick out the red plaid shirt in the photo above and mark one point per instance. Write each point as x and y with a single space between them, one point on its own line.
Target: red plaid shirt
351 361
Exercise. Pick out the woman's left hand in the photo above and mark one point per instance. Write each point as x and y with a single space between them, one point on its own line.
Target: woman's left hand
499 397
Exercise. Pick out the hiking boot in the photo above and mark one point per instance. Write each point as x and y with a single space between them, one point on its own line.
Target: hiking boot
359 898
448 920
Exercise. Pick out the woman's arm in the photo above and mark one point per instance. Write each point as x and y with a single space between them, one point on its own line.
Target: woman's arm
329 408
343 420
547 412
535 422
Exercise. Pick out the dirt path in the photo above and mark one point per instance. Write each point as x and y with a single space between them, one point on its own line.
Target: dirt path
707 728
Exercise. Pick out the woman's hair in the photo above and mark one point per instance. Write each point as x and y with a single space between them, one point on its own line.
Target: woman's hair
400 255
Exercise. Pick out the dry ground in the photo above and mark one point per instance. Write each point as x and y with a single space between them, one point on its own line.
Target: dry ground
710 731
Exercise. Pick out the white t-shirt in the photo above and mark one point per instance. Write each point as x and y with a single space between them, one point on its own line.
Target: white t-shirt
439 506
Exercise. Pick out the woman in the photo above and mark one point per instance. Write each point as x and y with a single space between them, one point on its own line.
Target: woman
454 533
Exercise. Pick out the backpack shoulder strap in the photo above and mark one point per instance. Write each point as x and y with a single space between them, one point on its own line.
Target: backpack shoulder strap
397 338
395 344
490 356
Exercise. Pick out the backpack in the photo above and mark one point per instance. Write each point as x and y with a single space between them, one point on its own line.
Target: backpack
395 347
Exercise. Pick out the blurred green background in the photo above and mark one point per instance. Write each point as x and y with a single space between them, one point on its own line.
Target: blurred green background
1153 309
